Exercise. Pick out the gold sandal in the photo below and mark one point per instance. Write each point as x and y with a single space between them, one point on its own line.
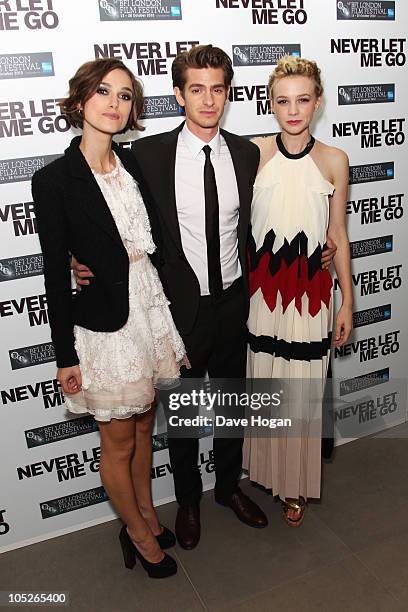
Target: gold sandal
299 506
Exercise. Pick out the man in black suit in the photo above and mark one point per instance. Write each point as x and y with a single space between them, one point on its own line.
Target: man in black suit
200 179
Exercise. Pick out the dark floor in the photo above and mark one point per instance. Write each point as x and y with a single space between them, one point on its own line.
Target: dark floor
350 554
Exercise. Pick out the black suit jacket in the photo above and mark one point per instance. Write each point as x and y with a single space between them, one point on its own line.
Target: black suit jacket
73 217
156 157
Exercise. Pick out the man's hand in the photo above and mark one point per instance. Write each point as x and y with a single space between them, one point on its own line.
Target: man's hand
328 254
70 379
81 273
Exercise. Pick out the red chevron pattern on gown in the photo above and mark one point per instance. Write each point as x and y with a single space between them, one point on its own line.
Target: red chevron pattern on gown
290 317
292 281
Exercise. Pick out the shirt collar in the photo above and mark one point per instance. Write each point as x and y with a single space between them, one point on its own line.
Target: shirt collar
195 144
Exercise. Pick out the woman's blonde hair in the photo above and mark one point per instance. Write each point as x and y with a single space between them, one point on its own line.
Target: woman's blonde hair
289 65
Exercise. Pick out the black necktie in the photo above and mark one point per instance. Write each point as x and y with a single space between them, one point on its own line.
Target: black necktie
212 226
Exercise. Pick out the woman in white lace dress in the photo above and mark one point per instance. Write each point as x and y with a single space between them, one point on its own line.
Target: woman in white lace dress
115 341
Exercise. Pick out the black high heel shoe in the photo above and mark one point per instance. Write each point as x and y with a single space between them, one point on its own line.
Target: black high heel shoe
166 539
166 567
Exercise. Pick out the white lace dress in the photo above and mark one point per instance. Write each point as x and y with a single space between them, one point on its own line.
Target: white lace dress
121 369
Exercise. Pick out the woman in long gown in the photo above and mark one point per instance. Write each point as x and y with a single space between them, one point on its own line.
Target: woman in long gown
115 341
299 199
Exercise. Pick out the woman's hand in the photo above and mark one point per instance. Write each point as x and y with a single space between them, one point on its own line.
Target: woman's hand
344 325
70 379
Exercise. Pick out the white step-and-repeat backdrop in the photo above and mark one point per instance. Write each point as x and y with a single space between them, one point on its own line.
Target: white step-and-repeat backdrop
49 481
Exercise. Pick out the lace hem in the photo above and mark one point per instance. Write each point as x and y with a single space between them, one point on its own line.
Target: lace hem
122 402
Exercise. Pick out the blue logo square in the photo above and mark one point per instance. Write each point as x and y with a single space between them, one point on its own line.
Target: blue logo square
391 12
175 11
390 172
390 95
387 314
388 245
47 67
295 53
385 376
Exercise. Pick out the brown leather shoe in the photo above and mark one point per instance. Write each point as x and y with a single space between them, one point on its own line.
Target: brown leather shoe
246 510
188 528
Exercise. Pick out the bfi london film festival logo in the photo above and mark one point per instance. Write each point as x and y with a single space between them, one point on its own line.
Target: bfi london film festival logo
262 54
377 209
150 58
372 133
20 217
28 356
381 345
31 117
158 107
28 14
21 169
65 467
373 52
371 246
49 390
364 381
269 12
365 94
26 65
371 316
56 432
160 441
370 282
369 173
366 10
135 10
75 501
14 268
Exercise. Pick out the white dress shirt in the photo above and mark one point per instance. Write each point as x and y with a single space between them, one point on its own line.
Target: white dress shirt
190 202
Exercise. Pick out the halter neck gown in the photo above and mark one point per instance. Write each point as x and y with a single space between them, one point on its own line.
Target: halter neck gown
290 317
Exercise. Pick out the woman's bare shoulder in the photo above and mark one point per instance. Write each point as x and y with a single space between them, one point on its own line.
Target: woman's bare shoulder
335 155
267 147
264 143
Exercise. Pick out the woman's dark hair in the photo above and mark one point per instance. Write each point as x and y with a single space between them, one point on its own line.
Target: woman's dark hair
202 56
86 81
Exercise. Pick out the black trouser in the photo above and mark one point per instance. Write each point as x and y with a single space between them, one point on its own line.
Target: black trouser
217 344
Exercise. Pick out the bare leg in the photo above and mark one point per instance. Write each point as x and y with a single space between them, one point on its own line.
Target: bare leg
117 451
141 468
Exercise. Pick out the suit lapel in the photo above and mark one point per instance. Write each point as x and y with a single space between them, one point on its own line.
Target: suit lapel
242 177
93 204
166 200
166 185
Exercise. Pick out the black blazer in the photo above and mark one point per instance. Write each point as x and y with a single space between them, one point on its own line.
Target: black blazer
73 217
156 157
